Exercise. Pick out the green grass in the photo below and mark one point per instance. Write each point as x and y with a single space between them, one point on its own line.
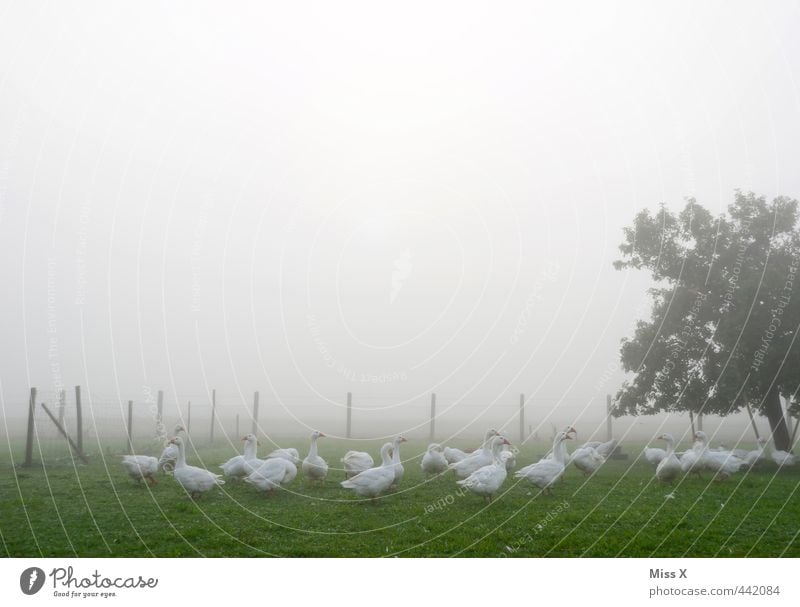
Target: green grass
64 510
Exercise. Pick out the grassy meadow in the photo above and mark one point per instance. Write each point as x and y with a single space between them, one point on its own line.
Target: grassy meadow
66 509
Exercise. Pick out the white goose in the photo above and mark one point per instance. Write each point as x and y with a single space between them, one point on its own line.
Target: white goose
374 481
291 454
314 467
476 460
509 457
141 467
587 459
783 458
654 455
486 481
170 453
453 455
692 459
751 458
434 461
546 472
238 465
194 480
397 463
272 474
355 462
605 449
566 457
723 463
669 467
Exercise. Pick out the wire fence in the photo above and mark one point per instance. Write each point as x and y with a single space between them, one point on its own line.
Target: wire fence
225 417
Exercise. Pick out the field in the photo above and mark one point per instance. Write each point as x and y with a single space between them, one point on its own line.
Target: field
64 510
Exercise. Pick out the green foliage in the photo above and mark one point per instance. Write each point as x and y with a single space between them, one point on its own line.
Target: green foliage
726 307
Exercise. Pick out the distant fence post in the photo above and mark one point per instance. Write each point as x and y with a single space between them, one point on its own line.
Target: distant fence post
78 419
433 416
189 418
160 410
349 413
699 421
609 418
29 439
130 426
691 421
213 414
521 418
62 404
237 425
254 430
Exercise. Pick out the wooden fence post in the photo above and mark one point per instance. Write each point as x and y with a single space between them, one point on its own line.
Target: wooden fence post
691 421
609 418
213 414
160 410
700 421
29 439
349 413
237 424
130 426
255 414
61 429
521 418
189 419
433 416
78 419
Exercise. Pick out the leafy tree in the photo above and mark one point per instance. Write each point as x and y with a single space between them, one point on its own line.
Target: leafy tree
726 309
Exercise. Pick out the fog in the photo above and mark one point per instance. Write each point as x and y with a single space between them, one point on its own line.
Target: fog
316 199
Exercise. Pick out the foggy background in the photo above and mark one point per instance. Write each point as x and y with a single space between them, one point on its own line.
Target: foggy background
311 200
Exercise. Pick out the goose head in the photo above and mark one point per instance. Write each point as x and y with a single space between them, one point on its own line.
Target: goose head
562 436
701 436
317 434
497 444
435 447
667 437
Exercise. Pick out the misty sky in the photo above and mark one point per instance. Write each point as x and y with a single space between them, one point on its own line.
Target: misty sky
327 197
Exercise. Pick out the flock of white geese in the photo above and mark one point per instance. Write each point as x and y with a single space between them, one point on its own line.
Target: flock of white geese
482 471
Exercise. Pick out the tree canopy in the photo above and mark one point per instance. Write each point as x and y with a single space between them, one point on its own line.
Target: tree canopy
725 310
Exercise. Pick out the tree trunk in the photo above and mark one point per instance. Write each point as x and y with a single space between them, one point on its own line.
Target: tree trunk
777 421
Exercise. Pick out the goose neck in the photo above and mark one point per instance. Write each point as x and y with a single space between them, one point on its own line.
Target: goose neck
249 449
181 461
396 452
386 459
